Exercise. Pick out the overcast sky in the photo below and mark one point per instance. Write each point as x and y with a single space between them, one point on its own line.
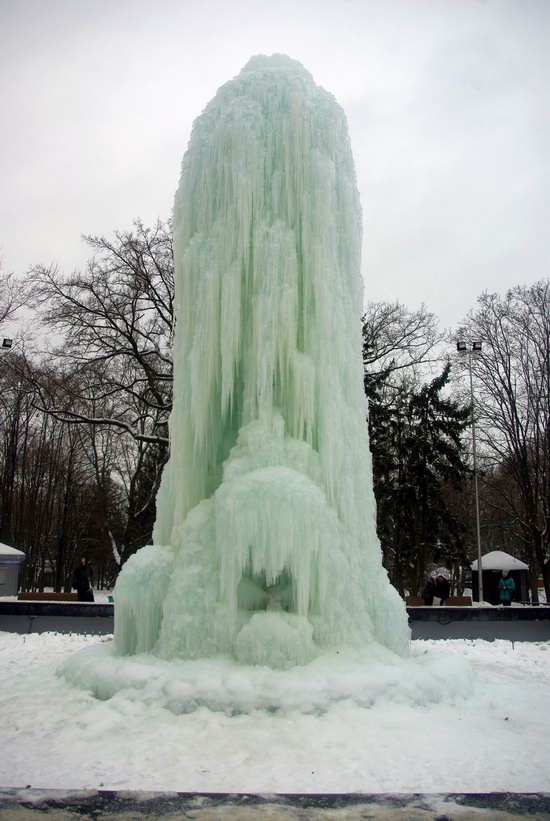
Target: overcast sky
447 103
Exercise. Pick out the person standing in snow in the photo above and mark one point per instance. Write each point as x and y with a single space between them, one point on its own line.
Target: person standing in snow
506 587
83 580
429 592
442 589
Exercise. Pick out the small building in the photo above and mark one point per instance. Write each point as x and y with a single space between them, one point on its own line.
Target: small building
492 565
10 562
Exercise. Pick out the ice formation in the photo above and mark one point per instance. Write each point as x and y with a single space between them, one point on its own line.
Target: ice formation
265 546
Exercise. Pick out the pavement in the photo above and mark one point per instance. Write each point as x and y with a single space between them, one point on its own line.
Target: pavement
108 805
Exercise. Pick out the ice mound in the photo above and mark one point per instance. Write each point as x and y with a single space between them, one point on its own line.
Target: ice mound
277 639
362 678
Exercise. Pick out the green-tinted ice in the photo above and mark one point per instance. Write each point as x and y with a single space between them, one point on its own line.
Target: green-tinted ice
265 540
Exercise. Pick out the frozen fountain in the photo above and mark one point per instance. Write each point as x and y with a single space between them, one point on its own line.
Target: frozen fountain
265 548
265 545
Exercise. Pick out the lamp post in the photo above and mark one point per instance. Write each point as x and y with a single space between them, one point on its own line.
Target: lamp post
462 348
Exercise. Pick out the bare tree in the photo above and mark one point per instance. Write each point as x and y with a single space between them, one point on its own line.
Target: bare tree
399 343
115 324
512 377
61 495
109 374
13 294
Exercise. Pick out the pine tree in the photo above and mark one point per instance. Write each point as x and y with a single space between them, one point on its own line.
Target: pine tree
417 453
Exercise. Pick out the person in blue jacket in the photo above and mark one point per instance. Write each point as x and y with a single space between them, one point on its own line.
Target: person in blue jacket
506 589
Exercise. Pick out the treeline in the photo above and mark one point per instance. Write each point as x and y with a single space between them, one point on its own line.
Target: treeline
84 426
83 437
421 435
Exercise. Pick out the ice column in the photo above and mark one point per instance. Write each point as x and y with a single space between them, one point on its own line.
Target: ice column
267 547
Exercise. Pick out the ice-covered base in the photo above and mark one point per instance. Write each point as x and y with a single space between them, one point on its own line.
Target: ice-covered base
263 571
221 684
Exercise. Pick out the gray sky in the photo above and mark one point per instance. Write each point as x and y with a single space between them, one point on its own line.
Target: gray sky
447 103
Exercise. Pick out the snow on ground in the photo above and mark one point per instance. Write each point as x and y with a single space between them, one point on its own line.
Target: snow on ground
493 739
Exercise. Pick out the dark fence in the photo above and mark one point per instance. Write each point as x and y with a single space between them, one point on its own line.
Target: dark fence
512 623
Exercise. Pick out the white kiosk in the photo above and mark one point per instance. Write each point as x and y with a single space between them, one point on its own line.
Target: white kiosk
493 564
10 562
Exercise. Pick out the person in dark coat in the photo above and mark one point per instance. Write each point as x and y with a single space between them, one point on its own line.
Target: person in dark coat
442 589
429 592
83 580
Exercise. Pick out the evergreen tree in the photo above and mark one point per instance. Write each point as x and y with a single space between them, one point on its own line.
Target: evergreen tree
417 453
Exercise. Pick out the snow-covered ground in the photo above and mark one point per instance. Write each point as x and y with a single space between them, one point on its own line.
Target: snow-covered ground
493 737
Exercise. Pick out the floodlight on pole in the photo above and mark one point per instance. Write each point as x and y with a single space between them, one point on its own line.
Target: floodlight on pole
476 348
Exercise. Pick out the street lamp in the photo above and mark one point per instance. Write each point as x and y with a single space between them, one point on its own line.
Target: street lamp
476 348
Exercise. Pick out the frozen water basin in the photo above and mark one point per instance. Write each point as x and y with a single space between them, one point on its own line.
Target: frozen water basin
360 678
56 735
